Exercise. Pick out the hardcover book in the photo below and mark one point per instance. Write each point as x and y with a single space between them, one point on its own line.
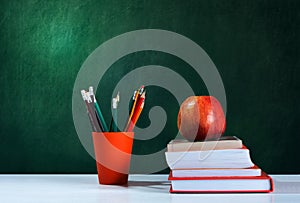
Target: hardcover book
213 172
223 158
225 142
262 183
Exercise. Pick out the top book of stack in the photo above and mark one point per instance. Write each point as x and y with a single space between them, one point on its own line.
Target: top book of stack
226 142
228 152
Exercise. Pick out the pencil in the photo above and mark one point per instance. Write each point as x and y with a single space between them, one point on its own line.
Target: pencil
98 110
137 112
115 102
136 96
131 101
90 112
92 106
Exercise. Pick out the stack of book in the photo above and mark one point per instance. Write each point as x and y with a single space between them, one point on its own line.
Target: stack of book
214 166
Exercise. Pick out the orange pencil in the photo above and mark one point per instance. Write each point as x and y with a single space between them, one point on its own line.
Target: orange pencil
137 112
136 98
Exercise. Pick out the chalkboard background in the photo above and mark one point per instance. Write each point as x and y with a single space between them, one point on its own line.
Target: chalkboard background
254 45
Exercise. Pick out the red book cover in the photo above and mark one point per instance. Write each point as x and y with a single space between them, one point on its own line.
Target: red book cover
264 176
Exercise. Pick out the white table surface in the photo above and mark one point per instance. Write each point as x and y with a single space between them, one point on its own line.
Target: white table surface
141 189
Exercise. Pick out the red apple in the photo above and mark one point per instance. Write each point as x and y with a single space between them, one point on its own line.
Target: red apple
201 118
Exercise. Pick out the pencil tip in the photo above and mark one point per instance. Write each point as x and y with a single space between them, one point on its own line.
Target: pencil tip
144 94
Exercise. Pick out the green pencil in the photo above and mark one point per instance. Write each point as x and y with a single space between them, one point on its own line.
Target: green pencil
98 110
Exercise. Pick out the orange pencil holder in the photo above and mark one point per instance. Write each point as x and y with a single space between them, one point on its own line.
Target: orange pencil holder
113 154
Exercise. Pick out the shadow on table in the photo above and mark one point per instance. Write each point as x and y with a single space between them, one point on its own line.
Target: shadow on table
147 183
286 187
155 185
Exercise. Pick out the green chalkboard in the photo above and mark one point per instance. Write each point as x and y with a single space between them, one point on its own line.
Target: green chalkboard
43 44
